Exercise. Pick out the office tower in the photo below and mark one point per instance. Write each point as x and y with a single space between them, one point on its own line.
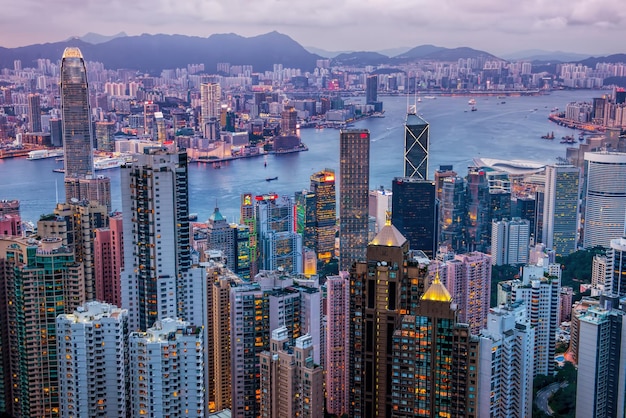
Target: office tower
371 89
321 224
158 280
93 369
506 363
242 251
499 198
109 261
383 288
166 370
210 99
468 279
75 113
281 245
248 218
354 174
560 208
477 209
292 385
34 113
221 237
510 241
289 121
605 198
105 136
453 214
91 188
441 174
379 207
41 280
618 285
541 294
149 108
161 134
337 344
435 361
600 381
56 132
415 212
81 220
416 143
524 207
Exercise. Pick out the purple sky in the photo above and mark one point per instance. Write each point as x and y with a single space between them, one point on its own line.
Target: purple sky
595 27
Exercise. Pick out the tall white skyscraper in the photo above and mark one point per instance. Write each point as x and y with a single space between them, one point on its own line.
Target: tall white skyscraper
93 364
601 361
605 198
560 208
167 370
506 363
509 241
158 280
210 101
542 298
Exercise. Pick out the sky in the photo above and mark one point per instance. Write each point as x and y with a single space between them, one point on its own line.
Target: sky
595 27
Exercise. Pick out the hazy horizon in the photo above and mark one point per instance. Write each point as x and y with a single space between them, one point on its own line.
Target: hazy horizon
577 26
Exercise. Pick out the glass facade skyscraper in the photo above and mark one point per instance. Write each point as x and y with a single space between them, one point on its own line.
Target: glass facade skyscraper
416 141
354 175
77 135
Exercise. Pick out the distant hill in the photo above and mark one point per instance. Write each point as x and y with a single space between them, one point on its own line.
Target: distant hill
419 52
592 61
153 53
545 56
324 53
438 53
96 38
360 59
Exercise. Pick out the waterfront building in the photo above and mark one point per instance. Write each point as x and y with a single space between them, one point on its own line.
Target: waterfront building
76 115
34 113
539 289
371 89
415 212
601 352
92 345
354 164
605 198
382 289
506 363
166 370
435 369
416 143
337 344
210 96
40 280
453 214
292 385
105 140
109 261
159 280
510 241
289 121
560 208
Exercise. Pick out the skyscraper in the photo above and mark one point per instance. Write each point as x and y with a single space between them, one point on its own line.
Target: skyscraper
435 361
371 89
75 113
382 288
324 214
416 143
509 241
605 198
354 174
337 364
453 214
415 212
158 280
560 208
210 96
34 113
93 347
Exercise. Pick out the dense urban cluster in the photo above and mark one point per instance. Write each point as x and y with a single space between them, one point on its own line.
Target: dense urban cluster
334 300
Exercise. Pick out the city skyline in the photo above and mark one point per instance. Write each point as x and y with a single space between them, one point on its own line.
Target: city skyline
579 26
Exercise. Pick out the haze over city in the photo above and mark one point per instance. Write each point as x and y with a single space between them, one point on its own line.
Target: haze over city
592 27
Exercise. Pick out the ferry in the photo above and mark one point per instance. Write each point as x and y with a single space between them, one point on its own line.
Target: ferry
271 178
107 163
471 102
44 153
430 97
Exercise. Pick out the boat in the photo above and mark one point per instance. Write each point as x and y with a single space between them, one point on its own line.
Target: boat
474 109
44 153
378 115
271 178
548 135
430 97
471 102
58 170
107 163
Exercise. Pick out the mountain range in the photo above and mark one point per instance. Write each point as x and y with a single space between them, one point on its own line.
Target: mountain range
153 53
